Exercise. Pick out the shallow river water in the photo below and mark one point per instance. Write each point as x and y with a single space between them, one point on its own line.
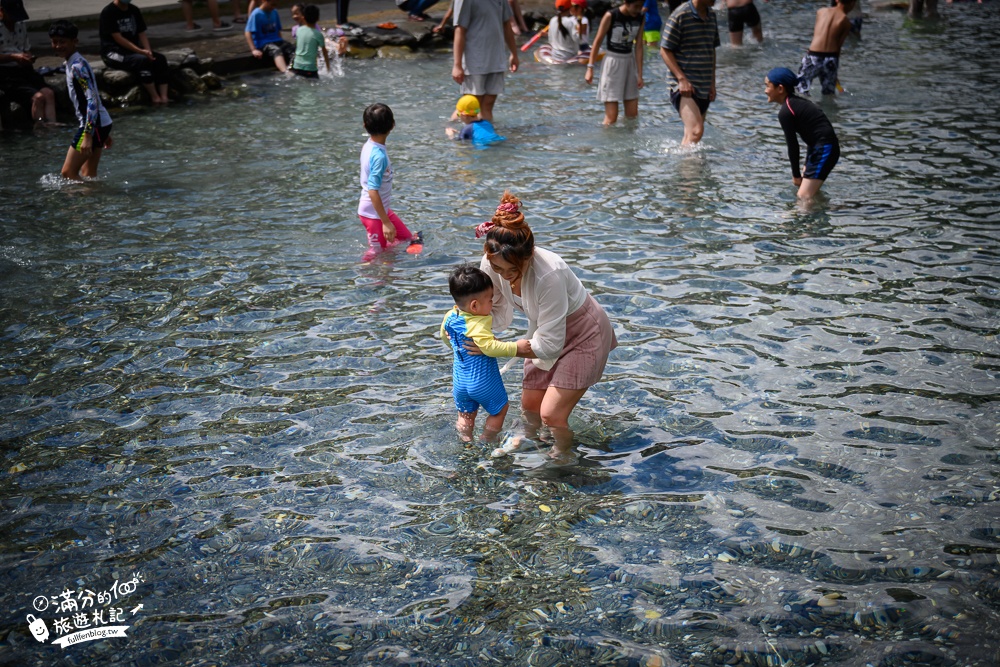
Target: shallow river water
224 431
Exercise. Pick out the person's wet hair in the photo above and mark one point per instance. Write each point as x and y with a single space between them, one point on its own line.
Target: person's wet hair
311 14
378 119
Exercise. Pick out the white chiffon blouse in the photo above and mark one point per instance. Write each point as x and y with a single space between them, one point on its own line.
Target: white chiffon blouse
550 292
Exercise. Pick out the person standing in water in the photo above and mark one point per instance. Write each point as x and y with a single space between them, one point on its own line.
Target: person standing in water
482 33
475 378
690 38
823 57
652 23
621 71
802 117
94 133
743 13
384 227
309 41
569 335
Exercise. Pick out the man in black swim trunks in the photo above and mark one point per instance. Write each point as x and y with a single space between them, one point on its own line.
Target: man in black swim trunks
743 13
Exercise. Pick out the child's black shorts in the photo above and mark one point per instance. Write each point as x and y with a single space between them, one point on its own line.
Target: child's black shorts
274 49
101 134
820 161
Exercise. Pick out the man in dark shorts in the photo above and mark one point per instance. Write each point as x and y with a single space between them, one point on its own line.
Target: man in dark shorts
18 78
690 37
124 45
743 13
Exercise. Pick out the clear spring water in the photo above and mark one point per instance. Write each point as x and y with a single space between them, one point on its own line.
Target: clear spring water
792 461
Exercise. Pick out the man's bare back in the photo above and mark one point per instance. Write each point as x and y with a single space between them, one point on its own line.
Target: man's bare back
733 4
832 27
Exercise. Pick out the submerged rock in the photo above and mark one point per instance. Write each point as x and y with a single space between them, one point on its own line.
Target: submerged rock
211 81
378 37
395 52
188 81
134 96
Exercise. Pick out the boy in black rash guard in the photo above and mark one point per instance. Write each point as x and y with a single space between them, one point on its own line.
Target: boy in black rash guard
802 117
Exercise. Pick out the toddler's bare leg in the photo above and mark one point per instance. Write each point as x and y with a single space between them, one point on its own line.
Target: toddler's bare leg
465 424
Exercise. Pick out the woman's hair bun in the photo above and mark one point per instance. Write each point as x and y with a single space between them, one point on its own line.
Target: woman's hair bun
508 214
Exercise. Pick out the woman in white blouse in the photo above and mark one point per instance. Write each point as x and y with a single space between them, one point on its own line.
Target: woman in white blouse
569 334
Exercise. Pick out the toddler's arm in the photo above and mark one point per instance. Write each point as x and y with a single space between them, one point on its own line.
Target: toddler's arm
479 329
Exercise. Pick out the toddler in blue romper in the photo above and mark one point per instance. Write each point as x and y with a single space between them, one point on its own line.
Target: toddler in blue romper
475 377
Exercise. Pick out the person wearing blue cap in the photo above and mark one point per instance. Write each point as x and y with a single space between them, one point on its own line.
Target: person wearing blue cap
799 116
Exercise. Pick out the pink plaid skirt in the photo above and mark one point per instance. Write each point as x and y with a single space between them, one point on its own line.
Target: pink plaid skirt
589 340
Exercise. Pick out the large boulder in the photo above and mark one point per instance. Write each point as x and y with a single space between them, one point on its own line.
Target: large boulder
187 81
379 37
134 97
116 81
180 58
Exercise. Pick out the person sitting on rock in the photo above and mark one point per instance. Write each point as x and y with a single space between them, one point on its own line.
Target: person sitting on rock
124 45
263 34
18 77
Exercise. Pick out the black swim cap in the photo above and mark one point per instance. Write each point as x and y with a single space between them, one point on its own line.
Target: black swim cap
63 28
